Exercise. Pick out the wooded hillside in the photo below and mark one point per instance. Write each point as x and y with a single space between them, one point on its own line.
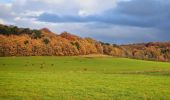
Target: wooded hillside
16 41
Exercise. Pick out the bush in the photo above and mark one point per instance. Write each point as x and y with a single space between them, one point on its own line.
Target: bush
46 40
36 34
76 44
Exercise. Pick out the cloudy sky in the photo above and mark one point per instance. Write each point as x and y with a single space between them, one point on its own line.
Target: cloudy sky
114 21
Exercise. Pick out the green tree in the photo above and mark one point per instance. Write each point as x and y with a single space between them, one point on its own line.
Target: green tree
36 34
77 45
46 40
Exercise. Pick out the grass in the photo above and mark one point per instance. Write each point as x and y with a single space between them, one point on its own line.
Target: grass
83 78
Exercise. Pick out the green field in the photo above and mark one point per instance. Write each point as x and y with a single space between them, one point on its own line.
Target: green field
83 78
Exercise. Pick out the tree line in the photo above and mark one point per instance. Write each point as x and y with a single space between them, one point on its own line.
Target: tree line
16 41
14 30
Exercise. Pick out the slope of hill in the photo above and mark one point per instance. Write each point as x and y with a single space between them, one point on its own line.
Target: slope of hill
16 41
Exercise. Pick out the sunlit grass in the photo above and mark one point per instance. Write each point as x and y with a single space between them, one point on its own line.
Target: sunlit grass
83 78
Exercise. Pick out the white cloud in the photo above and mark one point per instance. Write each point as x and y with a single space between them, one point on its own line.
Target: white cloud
20 11
52 1
83 13
5 10
95 6
64 6
29 13
25 8
1 21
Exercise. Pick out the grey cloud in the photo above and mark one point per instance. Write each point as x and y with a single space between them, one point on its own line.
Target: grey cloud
141 13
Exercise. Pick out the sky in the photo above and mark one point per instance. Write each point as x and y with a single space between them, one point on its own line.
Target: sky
113 21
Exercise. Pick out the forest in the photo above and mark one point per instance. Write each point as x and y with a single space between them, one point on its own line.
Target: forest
15 41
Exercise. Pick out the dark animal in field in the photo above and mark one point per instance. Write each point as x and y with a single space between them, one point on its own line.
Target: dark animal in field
42 65
85 69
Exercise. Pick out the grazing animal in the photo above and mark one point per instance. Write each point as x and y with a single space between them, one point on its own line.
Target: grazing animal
85 69
41 67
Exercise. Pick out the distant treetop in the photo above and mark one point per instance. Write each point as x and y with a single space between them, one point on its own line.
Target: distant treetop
14 30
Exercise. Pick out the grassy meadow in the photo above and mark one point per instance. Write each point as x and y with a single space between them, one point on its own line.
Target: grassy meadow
83 78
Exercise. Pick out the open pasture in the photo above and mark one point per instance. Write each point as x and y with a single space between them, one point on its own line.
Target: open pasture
83 78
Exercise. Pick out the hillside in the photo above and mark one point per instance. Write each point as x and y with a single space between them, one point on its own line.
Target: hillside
16 41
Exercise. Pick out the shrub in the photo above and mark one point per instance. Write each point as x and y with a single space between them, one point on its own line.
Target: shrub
46 40
36 34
